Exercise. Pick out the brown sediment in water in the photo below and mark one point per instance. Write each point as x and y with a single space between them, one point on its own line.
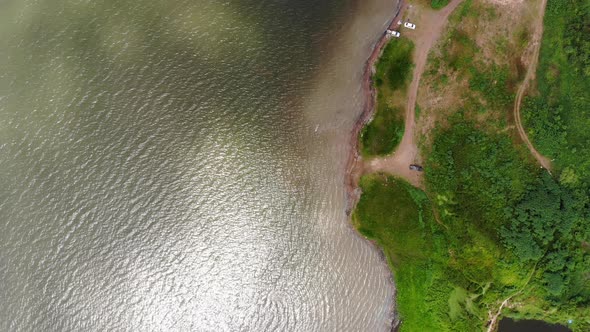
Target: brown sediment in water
354 164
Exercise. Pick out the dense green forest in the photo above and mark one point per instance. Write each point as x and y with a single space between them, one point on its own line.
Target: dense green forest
393 70
491 225
557 116
508 219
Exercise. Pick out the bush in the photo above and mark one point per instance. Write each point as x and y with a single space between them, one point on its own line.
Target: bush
385 131
438 4
395 64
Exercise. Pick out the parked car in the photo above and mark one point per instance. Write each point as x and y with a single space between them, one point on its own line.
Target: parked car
415 167
410 25
393 33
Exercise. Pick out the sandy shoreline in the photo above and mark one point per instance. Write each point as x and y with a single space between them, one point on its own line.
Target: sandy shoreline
354 163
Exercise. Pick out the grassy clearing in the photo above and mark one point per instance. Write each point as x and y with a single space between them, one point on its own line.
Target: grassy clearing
398 217
434 4
477 66
491 82
393 70
558 117
438 4
394 67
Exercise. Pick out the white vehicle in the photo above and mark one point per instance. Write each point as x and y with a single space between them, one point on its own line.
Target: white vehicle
393 33
410 25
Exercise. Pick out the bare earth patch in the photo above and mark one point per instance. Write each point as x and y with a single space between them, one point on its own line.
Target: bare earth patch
430 24
507 34
501 36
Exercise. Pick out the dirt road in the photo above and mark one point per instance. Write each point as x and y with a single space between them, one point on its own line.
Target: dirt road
430 25
530 75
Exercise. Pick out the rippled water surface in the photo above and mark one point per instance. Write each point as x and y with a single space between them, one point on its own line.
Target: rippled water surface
178 165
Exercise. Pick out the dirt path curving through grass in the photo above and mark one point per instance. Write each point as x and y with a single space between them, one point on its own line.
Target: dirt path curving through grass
530 75
429 28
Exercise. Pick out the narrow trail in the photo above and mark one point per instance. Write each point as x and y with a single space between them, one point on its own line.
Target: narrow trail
431 25
530 75
494 319
544 161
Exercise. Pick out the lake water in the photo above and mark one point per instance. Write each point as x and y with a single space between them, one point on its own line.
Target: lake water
178 166
509 325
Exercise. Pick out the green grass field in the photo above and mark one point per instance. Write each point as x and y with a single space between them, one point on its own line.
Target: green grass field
393 70
438 4
399 218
